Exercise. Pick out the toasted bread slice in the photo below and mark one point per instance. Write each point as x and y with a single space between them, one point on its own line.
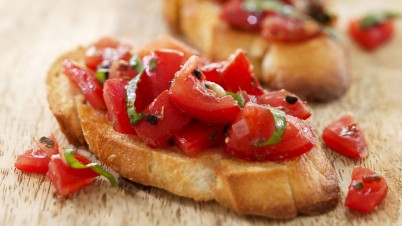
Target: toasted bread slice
305 184
325 76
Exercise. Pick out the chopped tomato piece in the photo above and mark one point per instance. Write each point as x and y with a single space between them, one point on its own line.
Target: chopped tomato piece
160 120
190 93
105 51
373 36
86 81
287 102
345 137
160 67
198 136
366 190
121 69
213 72
254 126
114 93
238 75
234 13
36 159
279 28
67 180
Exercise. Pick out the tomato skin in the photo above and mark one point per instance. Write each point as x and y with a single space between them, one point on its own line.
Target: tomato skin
213 72
238 17
67 180
372 37
371 193
287 102
238 75
114 93
197 136
190 94
36 159
278 28
86 81
161 119
167 63
105 51
299 138
336 137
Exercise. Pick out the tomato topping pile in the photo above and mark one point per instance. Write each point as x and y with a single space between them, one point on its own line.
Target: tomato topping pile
277 21
366 190
373 30
345 137
166 97
44 158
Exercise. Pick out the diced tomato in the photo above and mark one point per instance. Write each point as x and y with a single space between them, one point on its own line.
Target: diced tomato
366 190
36 159
279 28
371 37
238 75
345 137
114 93
161 66
167 42
121 69
161 120
213 72
189 93
105 51
298 138
287 102
67 180
234 13
197 136
86 81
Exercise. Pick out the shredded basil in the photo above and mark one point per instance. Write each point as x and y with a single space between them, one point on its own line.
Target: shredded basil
74 163
102 74
259 6
153 64
280 127
358 186
237 97
131 89
47 142
377 18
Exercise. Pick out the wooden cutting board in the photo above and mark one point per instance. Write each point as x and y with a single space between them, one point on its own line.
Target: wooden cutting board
34 33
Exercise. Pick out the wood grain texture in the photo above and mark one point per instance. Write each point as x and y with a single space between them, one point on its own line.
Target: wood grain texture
33 34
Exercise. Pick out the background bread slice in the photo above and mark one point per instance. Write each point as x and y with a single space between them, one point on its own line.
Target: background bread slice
324 77
306 184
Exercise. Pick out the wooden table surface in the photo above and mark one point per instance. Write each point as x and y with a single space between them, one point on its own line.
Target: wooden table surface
34 33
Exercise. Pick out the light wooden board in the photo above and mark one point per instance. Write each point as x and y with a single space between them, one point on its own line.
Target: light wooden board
34 33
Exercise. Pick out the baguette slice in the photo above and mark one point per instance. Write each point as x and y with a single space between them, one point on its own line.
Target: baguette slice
316 70
306 184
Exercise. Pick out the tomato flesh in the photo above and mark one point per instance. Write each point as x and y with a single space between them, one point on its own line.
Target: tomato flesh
213 72
287 102
298 139
190 94
86 81
114 93
161 119
105 51
36 159
197 136
372 37
121 69
67 180
238 17
345 137
366 190
279 28
160 67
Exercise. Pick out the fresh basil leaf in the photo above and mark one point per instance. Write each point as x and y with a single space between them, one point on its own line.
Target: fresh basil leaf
102 74
136 63
280 127
237 97
131 90
74 163
373 19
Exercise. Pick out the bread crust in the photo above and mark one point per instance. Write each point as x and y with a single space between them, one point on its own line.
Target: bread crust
305 185
200 24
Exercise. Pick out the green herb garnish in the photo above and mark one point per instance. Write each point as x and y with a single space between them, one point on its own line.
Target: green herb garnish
376 18
280 127
358 186
260 6
102 74
74 163
131 89
237 97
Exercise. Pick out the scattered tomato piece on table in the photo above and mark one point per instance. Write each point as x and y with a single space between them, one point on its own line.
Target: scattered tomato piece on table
345 137
373 30
366 190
